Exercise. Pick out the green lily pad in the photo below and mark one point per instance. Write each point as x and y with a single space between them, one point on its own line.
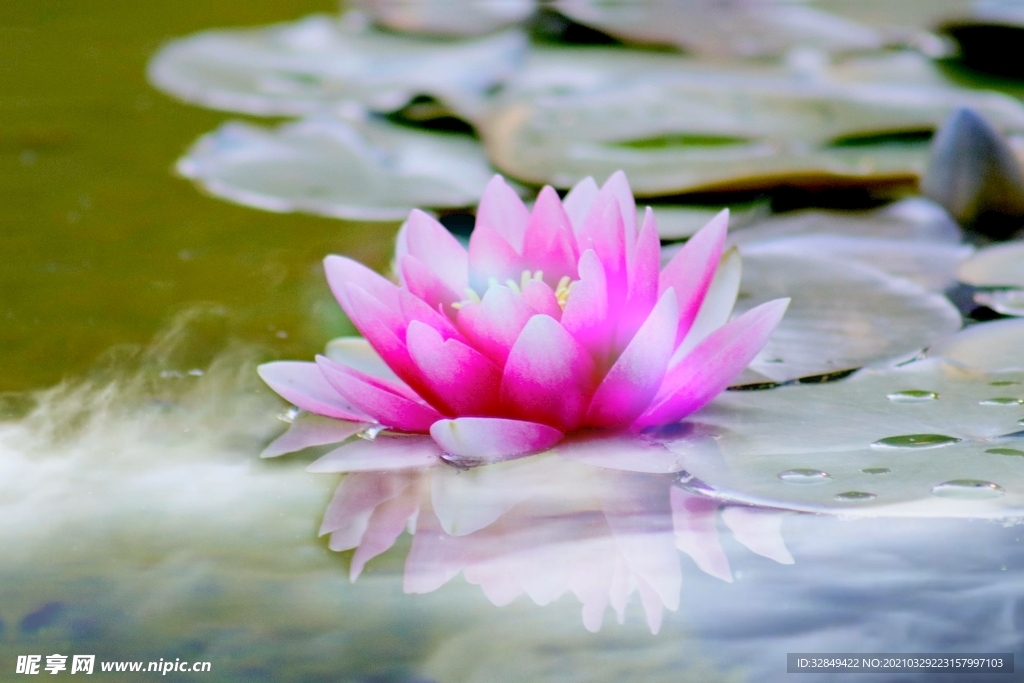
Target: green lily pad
870 455
321 62
365 169
576 112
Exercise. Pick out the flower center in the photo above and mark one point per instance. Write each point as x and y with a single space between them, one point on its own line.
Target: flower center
562 289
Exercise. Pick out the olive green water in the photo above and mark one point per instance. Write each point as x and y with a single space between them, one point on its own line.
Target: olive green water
100 245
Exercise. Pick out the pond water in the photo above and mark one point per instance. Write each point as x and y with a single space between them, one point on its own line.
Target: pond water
879 513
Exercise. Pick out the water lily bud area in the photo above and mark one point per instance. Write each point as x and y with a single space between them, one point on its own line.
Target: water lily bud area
485 341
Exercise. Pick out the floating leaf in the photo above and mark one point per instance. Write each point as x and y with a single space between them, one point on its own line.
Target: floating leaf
1001 265
356 169
319 62
842 315
912 238
720 28
446 17
591 111
990 346
845 447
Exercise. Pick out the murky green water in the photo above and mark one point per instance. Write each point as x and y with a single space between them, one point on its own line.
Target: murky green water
99 244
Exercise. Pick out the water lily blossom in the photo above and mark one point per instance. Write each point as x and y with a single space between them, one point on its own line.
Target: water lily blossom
555 321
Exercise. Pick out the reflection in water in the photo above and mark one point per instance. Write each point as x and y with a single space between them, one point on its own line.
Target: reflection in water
544 526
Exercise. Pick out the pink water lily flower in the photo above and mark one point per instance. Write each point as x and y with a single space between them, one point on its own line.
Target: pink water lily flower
557 320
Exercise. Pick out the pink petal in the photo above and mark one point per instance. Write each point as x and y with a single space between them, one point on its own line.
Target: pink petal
550 245
480 440
386 524
357 353
618 185
426 284
502 211
303 385
385 329
643 274
541 298
388 402
413 308
466 380
429 242
586 316
691 270
695 520
385 452
578 201
549 376
342 271
492 257
493 325
629 386
619 451
312 430
709 368
605 233
717 305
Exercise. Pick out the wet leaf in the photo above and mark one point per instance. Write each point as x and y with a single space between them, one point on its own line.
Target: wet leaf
321 62
591 111
355 169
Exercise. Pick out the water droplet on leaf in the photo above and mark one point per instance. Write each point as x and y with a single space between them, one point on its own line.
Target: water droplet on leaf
876 470
918 441
855 495
968 489
912 396
1004 451
1002 401
804 476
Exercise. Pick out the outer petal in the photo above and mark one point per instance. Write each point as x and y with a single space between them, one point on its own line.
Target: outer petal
707 371
605 233
466 380
502 211
480 440
643 275
550 245
303 385
578 201
491 256
427 284
691 270
429 242
586 316
618 185
357 353
389 403
549 377
627 389
717 306
342 271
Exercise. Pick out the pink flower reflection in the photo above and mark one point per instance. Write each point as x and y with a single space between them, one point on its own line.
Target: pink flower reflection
556 321
544 527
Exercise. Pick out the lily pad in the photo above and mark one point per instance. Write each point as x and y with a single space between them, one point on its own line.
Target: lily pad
996 266
724 28
321 62
913 238
870 455
843 314
446 17
677 124
365 169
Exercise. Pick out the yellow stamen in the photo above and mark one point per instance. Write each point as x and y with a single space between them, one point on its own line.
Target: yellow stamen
562 291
